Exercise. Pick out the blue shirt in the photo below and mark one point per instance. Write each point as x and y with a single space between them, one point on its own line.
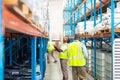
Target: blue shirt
84 49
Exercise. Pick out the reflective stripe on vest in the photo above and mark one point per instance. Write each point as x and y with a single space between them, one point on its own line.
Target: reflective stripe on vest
77 60
64 54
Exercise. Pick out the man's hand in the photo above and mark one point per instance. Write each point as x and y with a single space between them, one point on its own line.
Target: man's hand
58 48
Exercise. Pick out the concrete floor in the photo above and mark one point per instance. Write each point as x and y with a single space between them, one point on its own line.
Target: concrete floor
53 71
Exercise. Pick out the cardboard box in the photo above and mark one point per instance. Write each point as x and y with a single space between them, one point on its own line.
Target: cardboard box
25 9
10 2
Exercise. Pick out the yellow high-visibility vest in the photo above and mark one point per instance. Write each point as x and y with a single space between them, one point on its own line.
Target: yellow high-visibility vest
76 56
64 54
50 46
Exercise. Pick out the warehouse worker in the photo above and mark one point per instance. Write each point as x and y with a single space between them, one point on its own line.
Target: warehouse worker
51 49
63 57
77 58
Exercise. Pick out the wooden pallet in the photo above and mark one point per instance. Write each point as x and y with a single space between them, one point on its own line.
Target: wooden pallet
105 35
86 33
117 30
11 2
82 36
105 31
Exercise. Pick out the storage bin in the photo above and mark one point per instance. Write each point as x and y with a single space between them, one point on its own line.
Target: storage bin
101 78
100 62
108 73
90 51
100 68
108 58
100 73
100 55
108 78
108 66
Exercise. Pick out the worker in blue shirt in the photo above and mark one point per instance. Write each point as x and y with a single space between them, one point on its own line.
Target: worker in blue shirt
77 55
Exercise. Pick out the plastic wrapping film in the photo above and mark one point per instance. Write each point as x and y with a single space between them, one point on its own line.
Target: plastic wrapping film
105 24
89 27
39 9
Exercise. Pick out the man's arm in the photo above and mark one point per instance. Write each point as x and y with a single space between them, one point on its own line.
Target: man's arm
58 48
85 51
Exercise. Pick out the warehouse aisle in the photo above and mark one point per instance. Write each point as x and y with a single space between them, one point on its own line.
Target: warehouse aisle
53 71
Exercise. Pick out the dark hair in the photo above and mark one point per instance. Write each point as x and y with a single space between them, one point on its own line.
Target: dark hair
77 36
68 40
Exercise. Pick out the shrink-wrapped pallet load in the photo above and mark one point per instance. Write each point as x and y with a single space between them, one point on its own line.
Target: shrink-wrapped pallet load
39 9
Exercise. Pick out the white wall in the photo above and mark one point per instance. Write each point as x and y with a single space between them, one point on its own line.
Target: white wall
56 18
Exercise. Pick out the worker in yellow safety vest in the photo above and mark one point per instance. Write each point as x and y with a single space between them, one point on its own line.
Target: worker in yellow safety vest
77 58
63 57
50 48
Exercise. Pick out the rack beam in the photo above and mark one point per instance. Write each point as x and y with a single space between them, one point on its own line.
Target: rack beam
10 49
88 12
16 25
75 11
41 57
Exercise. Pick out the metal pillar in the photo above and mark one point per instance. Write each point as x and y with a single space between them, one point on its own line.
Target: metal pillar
113 32
10 51
1 45
91 8
85 16
22 48
33 57
74 25
41 56
112 20
100 12
71 18
101 43
85 21
94 41
44 59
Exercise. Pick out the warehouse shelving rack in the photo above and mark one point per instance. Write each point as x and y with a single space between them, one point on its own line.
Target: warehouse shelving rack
107 38
17 34
71 22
